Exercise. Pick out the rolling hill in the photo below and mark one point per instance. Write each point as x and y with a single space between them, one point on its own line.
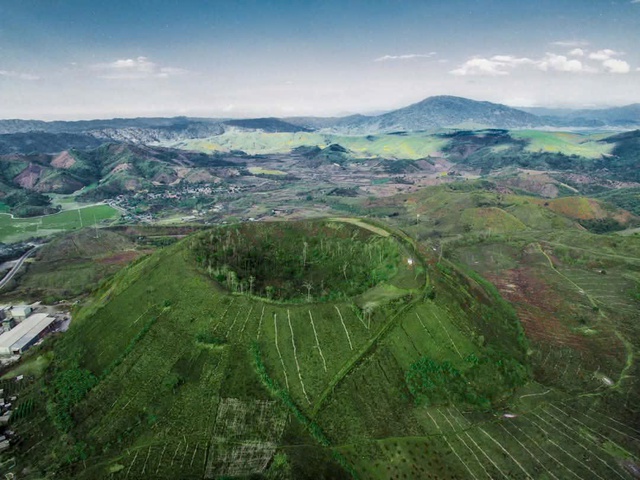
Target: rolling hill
443 111
204 361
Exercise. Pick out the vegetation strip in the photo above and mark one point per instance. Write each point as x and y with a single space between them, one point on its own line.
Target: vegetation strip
244 325
528 451
260 324
578 434
487 456
295 357
506 452
563 450
359 356
235 319
315 334
464 442
594 432
312 427
275 330
444 437
601 423
344 326
533 441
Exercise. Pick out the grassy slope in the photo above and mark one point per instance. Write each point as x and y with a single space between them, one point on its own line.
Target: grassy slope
161 387
16 229
146 417
387 146
587 146
73 264
462 208
577 295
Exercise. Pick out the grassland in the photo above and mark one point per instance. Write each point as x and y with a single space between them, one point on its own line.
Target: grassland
587 146
199 340
72 265
265 171
411 146
17 229
189 379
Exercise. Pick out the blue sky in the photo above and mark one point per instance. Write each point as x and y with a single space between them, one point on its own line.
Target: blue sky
68 59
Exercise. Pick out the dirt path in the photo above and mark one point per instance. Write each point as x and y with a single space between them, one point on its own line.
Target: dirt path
367 226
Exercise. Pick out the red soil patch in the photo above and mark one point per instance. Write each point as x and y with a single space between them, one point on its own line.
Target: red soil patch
29 176
538 307
120 168
122 258
64 160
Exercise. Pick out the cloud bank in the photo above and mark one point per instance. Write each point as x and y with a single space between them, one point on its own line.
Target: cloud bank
18 75
578 60
134 69
408 56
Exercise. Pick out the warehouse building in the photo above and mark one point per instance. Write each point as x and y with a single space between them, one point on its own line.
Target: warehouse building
20 312
25 334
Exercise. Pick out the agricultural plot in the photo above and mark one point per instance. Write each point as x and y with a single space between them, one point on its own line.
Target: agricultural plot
414 146
568 143
245 437
533 445
17 229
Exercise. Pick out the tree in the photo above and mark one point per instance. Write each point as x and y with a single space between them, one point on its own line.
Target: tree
305 245
308 286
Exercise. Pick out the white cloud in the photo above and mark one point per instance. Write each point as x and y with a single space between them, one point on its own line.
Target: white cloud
614 65
494 66
18 75
135 68
571 43
480 66
408 56
560 63
635 1
577 60
604 54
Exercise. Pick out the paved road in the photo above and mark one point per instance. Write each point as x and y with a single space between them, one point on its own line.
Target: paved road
7 278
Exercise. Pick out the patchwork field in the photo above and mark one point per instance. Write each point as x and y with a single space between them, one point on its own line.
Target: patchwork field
411 146
17 229
584 145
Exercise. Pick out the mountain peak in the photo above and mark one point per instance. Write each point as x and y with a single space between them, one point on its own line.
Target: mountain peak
448 111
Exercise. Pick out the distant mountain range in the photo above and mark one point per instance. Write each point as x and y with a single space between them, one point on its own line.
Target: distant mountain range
627 116
27 136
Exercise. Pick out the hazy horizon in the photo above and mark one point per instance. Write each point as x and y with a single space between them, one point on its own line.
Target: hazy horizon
238 116
78 60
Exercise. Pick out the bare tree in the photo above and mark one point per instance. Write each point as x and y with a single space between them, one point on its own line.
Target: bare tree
308 286
305 245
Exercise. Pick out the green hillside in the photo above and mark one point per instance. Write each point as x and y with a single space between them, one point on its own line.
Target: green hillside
412 146
176 371
18 229
169 374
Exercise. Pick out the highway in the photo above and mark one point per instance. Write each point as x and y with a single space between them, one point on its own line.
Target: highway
7 278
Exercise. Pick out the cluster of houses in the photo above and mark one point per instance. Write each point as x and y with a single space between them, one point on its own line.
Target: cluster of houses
5 416
22 328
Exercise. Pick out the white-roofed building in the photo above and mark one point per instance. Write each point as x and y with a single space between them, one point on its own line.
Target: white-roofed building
25 334
20 311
